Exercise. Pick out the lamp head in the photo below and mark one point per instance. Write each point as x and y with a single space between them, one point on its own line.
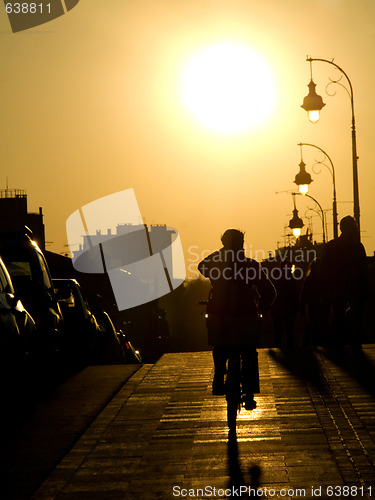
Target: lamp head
296 224
303 178
313 103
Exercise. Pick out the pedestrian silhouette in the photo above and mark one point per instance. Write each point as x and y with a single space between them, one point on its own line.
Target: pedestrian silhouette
314 309
285 307
240 292
345 285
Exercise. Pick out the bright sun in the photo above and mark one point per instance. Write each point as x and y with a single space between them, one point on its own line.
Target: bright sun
228 88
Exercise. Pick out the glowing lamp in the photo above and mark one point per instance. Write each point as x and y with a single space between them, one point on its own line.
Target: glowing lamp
296 223
303 179
313 103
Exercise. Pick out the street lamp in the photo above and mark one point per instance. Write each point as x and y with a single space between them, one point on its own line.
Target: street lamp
296 223
300 181
303 178
313 103
322 217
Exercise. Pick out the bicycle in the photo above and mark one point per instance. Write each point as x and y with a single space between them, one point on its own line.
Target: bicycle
234 392
234 387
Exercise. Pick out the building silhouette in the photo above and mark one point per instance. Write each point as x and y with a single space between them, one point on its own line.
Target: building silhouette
14 215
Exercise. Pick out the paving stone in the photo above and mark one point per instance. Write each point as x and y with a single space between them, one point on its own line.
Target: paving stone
313 427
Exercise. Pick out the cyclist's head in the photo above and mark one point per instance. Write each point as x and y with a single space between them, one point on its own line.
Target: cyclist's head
233 239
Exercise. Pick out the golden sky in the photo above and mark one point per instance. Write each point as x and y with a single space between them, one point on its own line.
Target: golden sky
91 105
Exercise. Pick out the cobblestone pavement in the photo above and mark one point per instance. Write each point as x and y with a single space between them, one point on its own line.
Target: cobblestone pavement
165 436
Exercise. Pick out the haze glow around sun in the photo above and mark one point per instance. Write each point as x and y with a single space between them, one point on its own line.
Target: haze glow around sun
228 88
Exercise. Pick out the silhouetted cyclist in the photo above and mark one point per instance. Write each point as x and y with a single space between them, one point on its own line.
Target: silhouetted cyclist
240 291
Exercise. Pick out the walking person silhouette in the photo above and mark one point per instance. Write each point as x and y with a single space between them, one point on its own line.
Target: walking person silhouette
240 292
314 309
345 285
285 307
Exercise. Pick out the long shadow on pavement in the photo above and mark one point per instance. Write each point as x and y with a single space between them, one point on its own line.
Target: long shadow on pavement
303 364
236 475
300 363
360 366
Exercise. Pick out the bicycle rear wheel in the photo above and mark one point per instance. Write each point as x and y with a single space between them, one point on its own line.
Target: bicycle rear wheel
233 391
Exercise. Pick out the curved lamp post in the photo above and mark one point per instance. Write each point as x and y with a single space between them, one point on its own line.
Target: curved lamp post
323 219
296 223
313 103
301 181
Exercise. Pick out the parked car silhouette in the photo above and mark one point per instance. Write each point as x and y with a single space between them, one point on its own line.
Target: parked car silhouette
113 349
131 354
82 332
17 327
17 331
32 282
